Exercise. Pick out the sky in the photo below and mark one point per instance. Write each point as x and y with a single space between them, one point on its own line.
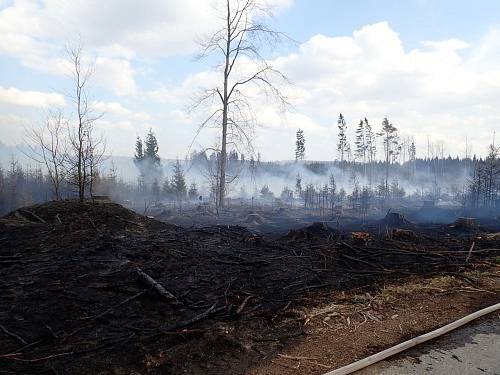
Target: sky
431 66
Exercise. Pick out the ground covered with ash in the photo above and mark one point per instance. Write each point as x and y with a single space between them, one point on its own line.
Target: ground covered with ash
92 287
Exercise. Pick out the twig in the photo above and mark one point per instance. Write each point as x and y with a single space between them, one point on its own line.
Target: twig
286 366
12 334
38 359
298 358
114 307
470 252
243 304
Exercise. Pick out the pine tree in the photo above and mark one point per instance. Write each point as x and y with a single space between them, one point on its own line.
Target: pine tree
193 192
151 149
178 183
412 154
300 145
332 191
371 147
147 160
391 148
360 141
139 154
342 147
371 144
166 189
252 166
298 186
361 145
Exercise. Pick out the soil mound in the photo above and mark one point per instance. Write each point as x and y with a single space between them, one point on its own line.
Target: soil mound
73 215
254 219
317 230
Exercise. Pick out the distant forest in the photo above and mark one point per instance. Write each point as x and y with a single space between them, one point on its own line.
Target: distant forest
467 182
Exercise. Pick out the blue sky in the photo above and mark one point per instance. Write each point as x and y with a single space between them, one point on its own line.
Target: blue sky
431 66
415 20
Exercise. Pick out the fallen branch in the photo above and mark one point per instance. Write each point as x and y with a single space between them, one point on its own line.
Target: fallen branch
212 310
34 215
157 286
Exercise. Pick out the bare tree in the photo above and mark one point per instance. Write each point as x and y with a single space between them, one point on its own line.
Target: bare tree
86 152
48 146
240 39
95 155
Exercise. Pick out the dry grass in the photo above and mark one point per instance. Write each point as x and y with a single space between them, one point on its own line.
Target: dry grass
435 284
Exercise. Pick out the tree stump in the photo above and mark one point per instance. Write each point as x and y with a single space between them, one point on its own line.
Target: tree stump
465 223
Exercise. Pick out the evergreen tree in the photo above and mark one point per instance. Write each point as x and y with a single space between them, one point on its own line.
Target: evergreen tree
412 154
178 183
233 156
151 149
300 145
332 191
139 154
342 147
298 186
287 194
147 160
361 144
391 148
371 147
193 192
253 166
166 189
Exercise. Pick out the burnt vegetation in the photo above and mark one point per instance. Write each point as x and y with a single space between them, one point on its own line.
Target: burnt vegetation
92 285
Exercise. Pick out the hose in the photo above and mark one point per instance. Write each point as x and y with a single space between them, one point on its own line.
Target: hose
365 362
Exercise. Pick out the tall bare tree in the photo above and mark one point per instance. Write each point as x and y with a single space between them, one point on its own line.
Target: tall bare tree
48 146
390 140
85 152
238 44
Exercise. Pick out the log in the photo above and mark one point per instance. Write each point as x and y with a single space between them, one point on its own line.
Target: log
144 277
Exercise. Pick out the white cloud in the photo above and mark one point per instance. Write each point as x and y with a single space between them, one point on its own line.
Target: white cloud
116 74
35 99
150 28
117 109
446 88
12 128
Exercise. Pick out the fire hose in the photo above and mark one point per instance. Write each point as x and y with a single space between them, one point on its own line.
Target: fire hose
368 361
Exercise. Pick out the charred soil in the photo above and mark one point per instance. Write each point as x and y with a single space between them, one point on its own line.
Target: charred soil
74 298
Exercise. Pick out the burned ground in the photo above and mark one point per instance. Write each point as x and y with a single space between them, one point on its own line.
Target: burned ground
72 301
